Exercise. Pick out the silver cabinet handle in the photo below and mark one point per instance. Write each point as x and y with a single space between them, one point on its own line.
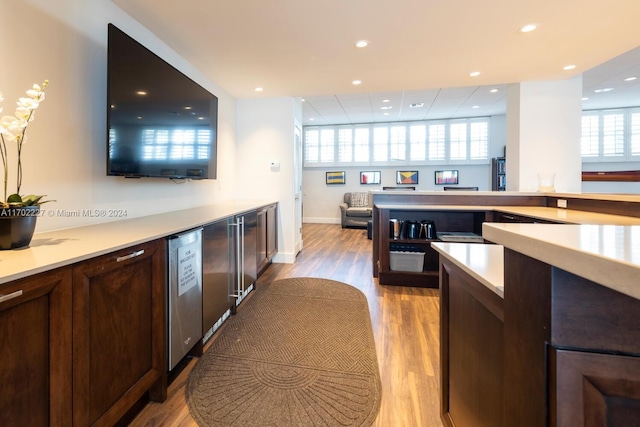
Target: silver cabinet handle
508 216
131 255
12 295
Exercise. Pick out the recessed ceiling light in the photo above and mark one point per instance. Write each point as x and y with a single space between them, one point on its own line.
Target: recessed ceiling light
386 100
259 89
476 106
416 105
493 90
474 74
385 114
200 118
187 107
606 89
568 67
630 79
139 117
356 82
528 28
386 107
362 43
311 119
141 92
585 98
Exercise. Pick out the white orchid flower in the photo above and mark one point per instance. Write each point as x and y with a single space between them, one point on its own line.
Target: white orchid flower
23 113
29 103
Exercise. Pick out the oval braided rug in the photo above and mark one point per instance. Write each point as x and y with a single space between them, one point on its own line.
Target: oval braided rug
299 352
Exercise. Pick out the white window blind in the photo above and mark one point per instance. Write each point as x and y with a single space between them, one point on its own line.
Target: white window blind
345 145
380 144
397 143
610 135
435 142
613 135
478 140
311 146
361 145
590 141
635 134
418 142
458 141
327 145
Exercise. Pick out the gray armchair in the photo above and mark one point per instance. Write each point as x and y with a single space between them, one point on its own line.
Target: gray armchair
356 209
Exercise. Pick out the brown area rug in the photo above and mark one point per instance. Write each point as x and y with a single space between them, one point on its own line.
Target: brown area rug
300 352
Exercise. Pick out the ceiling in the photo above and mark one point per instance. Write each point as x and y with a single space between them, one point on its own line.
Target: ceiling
420 51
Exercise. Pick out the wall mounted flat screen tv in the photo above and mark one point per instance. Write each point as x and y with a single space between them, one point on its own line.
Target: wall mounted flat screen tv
160 122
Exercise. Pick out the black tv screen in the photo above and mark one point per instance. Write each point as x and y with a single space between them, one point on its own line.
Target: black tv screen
160 122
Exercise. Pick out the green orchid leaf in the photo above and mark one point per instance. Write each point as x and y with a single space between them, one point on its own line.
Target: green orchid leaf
14 198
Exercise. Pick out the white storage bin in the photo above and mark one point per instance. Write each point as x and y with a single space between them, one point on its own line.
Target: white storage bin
406 261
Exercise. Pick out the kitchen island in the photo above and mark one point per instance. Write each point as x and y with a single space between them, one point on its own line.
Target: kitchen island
541 328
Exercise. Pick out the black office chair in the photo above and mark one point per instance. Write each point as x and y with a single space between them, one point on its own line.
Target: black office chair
461 188
399 188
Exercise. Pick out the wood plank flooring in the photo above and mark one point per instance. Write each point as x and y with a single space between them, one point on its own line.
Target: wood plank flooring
405 325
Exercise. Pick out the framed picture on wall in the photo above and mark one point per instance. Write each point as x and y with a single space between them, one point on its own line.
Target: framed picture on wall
446 177
370 177
406 177
335 178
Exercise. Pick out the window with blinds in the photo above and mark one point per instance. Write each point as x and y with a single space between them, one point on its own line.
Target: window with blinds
176 144
610 135
437 142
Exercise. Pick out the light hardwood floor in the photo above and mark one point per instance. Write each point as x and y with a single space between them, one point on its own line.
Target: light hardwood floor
405 326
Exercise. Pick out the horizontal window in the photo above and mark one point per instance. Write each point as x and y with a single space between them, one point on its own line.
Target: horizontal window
438 142
610 135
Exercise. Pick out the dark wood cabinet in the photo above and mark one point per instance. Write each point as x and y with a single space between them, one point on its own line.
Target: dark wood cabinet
36 350
471 350
509 217
444 220
572 349
119 343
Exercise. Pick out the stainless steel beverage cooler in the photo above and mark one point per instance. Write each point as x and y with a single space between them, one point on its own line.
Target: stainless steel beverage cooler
185 294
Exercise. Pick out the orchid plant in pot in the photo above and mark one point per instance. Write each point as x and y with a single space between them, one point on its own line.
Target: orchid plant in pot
18 213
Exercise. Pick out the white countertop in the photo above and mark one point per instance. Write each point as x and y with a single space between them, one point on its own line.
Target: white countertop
586 196
55 249
605 254
485 263
567 216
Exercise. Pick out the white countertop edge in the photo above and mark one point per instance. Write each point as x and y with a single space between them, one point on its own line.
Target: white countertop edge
612 273
587 196
490 274
59 248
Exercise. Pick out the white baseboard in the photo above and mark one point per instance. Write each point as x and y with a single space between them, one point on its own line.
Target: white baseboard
281 258
312 220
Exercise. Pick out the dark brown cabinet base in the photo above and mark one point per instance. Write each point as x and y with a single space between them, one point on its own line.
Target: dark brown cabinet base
118 332
471 351
35 350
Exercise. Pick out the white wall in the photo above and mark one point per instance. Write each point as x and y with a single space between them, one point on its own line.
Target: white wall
65 41
266 134
320 201
543 128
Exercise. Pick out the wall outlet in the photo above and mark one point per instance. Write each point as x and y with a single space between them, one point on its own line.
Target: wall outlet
562 203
